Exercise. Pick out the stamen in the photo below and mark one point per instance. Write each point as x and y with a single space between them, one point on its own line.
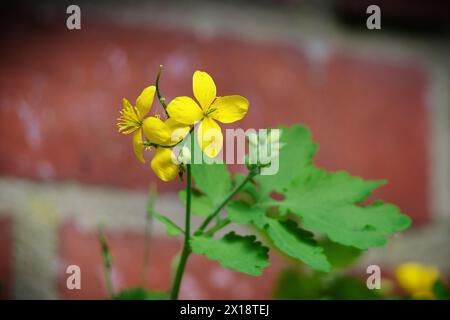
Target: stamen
129 121
210 110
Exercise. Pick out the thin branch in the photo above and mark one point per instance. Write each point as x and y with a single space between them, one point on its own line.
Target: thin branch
205 223
107 262
161 99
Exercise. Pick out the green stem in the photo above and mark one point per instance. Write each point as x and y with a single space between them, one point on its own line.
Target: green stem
187 235
147 234
158 92
107 263
220 225
205 223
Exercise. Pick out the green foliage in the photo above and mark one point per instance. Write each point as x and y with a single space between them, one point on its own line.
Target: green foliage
338 255
359 226
241 212
107 261
293 286
297 243
314 216
350 288
171 228
140 294
285 235
311 204
214 181
440 291
241 253
201 205
301 285
328 202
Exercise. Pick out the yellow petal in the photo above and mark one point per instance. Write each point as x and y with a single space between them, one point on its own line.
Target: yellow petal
163 164
126 104
210 137
137 145
145 100
155 130
178 131
229 108
424 295
184 110
204 89
416 278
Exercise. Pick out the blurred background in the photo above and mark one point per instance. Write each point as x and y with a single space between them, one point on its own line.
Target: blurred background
377 102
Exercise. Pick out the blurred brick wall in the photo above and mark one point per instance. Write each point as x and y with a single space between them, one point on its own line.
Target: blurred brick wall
61 91
59 104
203 279
5 257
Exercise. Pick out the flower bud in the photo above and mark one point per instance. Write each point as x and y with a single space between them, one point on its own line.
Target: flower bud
252 139
262 137
185 155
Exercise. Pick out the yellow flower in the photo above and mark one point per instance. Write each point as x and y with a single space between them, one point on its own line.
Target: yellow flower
131 118
167 133
417 279
164 164
225 109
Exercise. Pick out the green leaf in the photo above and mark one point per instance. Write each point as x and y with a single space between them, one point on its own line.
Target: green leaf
286 236
213 180
295 158
214 183
240 253
249 188
359 226
140 294
349 288
242 213
338 255
440 291
328 203
201 205
297 243
293 285
171 228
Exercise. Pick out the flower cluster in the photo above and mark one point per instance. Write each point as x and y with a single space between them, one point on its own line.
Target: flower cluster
264 149
183 114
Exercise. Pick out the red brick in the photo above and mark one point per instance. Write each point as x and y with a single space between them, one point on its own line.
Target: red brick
61 92
203 279
382 134
5 258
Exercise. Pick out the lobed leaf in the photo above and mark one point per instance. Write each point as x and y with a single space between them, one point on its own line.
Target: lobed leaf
213 180
297 243
329 203
286 236
240 253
